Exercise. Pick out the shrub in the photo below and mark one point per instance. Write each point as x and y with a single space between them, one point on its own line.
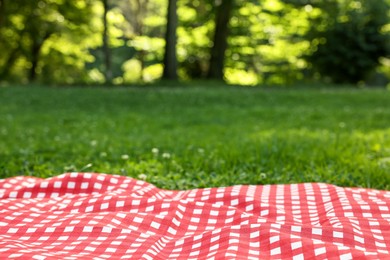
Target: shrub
353 41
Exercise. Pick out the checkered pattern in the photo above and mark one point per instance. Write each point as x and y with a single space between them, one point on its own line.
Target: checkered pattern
98 216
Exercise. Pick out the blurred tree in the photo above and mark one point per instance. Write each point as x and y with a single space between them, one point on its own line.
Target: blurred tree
217 53
2 12
135 13
240 41
266 41
170 60
195 31
106 46
349 39
140 57
31 26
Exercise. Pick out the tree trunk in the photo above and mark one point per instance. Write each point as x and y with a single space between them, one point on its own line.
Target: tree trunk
36 48
170 60
217 54
106 47
2 12
139 26
9 63
34 61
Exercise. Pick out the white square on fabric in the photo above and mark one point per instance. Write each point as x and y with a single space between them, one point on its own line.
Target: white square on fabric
50 229
111 250
57 184
13 194
215 238
44 184
31 230
255 234
88 229
320 251
106 230
274 239
84 185
316 231
214 247
212 221
347 256
275 251
197 211
138 220
104 206
68 229
298 257
359 239
296 245
71 185
97 186
337 234
155 225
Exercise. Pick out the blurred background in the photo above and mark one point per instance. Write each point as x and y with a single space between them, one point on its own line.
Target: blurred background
271 42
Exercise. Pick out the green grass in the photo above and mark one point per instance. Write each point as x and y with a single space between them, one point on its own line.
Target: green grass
204 136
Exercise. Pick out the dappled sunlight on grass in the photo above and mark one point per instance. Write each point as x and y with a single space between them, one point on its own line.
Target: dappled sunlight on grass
199 137
326 156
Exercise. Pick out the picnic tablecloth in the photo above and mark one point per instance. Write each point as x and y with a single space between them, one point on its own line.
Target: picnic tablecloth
101 216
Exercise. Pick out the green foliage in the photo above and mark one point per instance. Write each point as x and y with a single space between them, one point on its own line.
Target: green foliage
270 42
198 136
349 48
267 40
43 36
196 26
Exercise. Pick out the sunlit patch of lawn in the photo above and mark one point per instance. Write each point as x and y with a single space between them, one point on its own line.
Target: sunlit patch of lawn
179 138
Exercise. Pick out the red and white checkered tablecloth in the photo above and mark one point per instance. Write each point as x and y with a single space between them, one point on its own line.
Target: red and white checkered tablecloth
99 216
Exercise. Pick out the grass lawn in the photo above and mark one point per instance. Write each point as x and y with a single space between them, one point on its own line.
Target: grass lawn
179 138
